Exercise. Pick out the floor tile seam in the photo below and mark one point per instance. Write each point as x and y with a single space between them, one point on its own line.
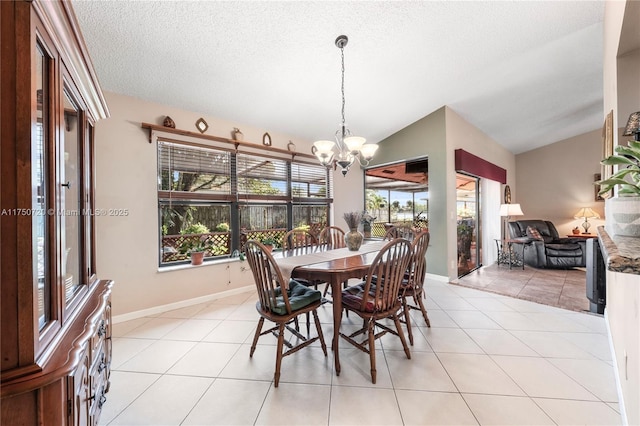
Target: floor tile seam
393 387
163 335
448 374
137 397
556 368
197 402
538 354
193 347
599 401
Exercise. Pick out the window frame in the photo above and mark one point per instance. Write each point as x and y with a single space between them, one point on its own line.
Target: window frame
236 197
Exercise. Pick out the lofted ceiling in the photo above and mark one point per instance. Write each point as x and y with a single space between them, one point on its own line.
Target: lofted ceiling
526 73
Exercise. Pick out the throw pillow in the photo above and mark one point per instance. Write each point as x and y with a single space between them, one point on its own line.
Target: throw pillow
532 232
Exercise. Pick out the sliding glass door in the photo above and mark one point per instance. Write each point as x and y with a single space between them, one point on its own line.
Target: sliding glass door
468 223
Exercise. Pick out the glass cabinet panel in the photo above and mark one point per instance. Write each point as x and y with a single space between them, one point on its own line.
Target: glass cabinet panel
39 189
71 199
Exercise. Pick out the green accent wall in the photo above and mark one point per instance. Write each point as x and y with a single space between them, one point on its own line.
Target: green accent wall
425 138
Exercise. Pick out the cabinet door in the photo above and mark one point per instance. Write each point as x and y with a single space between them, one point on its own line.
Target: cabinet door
41 186
71 201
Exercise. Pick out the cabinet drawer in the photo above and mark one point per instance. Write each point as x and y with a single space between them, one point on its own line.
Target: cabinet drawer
97 340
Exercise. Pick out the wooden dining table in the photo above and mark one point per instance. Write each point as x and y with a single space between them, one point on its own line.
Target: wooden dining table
319 263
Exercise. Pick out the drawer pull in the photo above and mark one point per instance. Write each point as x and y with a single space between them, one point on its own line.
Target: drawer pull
102 365
102 330
101 400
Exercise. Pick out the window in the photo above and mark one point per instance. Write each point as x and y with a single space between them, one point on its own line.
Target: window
225 197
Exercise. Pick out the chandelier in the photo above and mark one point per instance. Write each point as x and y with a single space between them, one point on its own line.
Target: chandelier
347 148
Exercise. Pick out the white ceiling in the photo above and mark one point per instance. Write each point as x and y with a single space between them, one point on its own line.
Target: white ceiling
525 73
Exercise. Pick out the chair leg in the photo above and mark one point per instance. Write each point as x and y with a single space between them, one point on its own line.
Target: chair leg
372 350
276 376
320 334
396 320
308 324
256 336
407 318
424 311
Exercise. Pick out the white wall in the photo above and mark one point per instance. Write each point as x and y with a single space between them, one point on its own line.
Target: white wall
126 178
462 135
555 181
622 90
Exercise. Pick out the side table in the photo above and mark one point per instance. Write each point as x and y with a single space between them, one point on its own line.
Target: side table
506 253
584 236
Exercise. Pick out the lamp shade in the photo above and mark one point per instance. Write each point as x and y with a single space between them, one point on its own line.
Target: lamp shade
510 210
586 213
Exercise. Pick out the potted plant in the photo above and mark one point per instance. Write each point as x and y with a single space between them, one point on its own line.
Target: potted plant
195 249
366 221
623 211
269 242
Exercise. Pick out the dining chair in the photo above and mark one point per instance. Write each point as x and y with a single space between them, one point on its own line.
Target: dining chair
280 302
377 298
297 238
412 285
400 231
332 236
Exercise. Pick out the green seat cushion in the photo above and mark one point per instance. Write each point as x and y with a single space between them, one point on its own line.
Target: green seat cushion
299 296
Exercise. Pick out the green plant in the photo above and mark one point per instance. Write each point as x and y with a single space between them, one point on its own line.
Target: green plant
268 241
196 228
222 227
195 245
627 178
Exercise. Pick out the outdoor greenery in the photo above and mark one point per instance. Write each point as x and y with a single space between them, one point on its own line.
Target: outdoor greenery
196 228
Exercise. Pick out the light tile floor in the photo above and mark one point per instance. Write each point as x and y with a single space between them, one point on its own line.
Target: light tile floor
487 359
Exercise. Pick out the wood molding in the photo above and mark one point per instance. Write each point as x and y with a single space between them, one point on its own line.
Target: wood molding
237 144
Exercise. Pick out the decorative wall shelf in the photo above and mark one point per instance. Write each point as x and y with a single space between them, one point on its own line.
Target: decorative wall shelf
260 146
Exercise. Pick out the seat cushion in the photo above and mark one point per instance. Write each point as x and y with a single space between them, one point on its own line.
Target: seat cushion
352 297
563 250
299 296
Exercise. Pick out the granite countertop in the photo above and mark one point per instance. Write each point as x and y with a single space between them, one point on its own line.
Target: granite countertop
622 254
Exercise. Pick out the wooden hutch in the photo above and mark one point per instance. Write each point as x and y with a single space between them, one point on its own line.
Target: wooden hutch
55 312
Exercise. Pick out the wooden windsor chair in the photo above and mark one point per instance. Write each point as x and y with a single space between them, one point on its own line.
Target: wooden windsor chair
280 302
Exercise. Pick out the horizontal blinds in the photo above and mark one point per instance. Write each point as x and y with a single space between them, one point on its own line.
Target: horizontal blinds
309 180
259 175
185 168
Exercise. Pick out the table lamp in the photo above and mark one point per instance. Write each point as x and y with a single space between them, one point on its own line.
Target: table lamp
586 213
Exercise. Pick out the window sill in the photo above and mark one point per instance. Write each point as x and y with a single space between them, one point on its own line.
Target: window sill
184 266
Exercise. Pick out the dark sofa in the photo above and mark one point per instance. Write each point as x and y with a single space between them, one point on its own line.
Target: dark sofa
550 252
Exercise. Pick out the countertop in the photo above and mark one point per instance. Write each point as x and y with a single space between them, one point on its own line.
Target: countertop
622 254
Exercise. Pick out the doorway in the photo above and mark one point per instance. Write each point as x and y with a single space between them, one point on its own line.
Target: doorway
398 194
468 223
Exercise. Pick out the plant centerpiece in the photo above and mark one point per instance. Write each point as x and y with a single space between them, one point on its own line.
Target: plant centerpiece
366 221
353 239
623 212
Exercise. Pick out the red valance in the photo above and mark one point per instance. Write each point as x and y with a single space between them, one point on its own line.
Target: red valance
473 165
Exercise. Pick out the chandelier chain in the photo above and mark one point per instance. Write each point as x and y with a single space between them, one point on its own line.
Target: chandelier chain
342 89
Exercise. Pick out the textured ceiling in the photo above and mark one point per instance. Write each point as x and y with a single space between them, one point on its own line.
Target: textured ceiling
525 73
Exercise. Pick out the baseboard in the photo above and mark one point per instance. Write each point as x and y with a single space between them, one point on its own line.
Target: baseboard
437 278
181 304
623 412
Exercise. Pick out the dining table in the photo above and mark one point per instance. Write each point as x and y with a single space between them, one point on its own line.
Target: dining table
320 263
